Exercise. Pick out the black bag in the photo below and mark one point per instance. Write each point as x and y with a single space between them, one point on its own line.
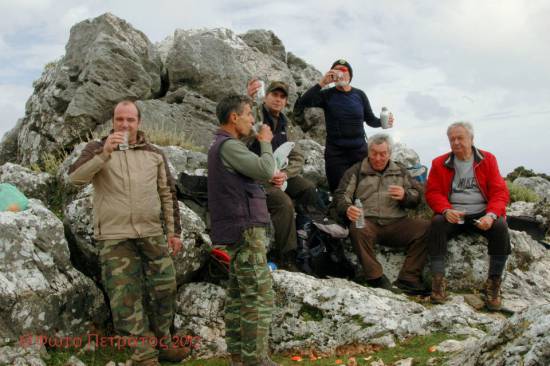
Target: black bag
193 191
326 254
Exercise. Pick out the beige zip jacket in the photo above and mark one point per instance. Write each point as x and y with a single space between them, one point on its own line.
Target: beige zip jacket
132 188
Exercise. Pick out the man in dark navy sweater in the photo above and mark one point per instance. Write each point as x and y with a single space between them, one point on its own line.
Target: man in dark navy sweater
345 110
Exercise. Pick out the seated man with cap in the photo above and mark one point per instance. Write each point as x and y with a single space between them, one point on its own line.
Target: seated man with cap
289 249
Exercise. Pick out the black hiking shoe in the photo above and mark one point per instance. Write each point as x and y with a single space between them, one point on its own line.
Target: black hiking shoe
412 288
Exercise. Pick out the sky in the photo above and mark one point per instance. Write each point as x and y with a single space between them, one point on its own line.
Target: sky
430 62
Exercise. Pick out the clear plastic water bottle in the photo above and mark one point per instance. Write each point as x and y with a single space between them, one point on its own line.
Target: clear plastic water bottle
360 222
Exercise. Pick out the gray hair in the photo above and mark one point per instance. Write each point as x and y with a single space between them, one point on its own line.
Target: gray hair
466 125
379 139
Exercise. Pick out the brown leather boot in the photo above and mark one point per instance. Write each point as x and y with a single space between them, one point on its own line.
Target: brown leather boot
174 354
493 299
439 285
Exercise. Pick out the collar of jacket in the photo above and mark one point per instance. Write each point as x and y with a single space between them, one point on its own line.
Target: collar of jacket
268 118
140 141
450 161
366 168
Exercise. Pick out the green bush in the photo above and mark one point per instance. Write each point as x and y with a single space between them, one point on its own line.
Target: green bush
521 193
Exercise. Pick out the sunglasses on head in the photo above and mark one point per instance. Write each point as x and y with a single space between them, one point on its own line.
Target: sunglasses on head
343 69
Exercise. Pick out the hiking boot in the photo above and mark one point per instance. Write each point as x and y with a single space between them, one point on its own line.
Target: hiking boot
174 354
439 285
412 288
492 293
380 282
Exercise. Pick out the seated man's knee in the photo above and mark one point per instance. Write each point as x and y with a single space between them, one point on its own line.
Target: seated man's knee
438 221
279 200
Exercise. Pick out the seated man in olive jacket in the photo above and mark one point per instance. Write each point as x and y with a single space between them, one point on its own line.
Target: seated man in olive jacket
385 190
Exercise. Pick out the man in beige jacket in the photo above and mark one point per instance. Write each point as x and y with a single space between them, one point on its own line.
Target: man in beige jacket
132 187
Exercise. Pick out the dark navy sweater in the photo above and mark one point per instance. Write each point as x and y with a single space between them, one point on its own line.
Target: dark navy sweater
344 114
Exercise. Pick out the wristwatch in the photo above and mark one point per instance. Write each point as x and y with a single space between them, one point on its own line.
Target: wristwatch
492 215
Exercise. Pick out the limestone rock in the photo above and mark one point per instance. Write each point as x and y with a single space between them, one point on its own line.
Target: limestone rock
195 122
523 339
321 315
405 155
32 184
526 279
40 291
266 42
106 60
314 166
182 160
539 185
28 355
194 57
199 314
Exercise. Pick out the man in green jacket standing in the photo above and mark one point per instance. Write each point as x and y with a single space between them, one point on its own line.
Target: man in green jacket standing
385 190
132 186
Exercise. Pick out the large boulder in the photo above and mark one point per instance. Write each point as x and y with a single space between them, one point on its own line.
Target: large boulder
194 121
526 279
323 315
215 62
538 185
523 340
106 60
32 184
266 42
40 291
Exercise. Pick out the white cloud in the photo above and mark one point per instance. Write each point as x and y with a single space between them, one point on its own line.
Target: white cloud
488 62
12 105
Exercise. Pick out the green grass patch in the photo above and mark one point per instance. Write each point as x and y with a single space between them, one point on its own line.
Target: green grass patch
520 193
416 347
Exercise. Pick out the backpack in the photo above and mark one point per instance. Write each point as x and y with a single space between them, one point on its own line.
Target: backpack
325 256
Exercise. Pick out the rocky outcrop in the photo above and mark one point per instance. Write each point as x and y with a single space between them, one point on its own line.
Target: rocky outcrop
32 184
177 83
106 60
523 339
322 315
194 121
314 165
538 185
526 279
40 291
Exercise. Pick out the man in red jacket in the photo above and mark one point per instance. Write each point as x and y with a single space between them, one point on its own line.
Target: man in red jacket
466 192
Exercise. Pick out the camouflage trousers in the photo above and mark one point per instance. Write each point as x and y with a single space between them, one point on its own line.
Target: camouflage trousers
140 279
249 298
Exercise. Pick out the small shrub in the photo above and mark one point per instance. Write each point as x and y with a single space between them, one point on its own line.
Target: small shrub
521 193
